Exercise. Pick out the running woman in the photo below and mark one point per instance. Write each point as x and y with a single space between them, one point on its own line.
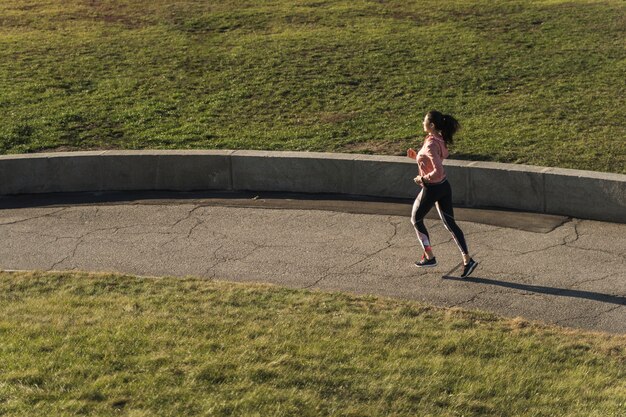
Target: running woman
436 189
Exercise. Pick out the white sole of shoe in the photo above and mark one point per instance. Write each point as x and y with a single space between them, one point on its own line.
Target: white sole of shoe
425 266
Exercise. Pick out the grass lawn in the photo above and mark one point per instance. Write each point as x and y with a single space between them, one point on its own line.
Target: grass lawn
107 345
537 82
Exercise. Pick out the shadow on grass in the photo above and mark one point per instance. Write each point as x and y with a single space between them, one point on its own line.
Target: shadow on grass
562 292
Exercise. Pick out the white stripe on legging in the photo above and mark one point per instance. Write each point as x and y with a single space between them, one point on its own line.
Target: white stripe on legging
443 215
420 236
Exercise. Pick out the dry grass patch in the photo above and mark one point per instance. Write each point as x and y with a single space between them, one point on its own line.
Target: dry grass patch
102 344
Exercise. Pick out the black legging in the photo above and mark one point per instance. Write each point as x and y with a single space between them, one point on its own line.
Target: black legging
441 196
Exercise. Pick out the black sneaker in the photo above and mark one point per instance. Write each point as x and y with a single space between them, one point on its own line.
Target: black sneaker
424 262
469 268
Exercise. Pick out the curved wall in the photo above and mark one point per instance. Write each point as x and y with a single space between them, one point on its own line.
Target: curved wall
582 194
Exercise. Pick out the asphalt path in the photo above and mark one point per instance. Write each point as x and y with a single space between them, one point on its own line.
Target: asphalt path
553 269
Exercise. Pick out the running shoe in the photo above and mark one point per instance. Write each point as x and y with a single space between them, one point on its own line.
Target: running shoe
424 262
469 268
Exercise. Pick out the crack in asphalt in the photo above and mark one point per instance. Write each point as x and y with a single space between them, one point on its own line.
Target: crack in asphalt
578 236
587 281
117 229
70 256
188 215
575 223
34 218
471 299
368 256
80 240
222 259
194 227
605 252
562 243
35 233
566 241
206 272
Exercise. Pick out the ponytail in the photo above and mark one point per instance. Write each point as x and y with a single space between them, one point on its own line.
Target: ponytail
445 123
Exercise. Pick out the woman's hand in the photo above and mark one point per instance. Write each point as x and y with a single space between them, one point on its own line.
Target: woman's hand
419 181
411 153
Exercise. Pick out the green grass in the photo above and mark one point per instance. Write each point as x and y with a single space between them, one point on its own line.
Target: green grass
107 345
536 82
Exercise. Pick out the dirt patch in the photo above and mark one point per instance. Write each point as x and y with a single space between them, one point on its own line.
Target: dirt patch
97 11
65 148
126 21
377 147
337 117
27 7
420 20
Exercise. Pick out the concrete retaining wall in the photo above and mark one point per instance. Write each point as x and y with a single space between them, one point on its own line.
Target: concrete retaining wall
583 194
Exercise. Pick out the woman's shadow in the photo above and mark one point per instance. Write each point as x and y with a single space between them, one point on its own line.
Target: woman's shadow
562 292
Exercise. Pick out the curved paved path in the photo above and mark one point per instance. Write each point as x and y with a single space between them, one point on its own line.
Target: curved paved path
572 273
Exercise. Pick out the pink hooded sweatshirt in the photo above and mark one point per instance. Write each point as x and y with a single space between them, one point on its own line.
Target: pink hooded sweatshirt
430 159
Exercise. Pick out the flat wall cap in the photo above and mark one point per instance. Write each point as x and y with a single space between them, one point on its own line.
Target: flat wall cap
579 193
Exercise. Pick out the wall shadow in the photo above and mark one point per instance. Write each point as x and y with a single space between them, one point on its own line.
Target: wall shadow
57 199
